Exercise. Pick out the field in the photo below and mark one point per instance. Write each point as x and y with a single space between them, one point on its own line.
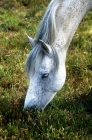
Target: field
69 115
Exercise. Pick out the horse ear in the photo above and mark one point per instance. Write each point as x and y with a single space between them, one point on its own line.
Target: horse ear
31 41
45 47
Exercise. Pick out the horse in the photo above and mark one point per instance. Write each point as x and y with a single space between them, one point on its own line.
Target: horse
45 64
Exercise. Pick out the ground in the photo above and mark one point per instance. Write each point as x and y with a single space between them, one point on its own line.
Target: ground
69 115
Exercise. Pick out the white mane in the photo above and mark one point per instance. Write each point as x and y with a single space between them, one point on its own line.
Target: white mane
47 29
47 32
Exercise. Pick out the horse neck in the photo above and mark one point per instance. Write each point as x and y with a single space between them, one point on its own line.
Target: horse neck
68 17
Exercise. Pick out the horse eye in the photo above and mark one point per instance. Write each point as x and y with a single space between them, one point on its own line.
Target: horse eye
45 75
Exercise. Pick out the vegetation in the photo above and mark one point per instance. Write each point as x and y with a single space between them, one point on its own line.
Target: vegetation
69 115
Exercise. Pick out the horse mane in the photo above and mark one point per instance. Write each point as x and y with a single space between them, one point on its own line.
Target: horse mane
47 28
46 32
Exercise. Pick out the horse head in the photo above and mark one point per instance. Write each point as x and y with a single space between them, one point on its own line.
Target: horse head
46 74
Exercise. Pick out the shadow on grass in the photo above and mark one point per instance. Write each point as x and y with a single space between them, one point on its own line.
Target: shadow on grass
86 100
30 123
11 110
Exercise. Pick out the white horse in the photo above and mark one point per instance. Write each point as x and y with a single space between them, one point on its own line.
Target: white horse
45 64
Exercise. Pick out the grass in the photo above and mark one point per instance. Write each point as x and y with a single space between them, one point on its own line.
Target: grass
69 115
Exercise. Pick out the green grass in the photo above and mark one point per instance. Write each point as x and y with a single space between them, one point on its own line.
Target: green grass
69 115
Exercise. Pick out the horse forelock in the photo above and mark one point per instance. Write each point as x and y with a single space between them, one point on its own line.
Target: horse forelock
35 58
